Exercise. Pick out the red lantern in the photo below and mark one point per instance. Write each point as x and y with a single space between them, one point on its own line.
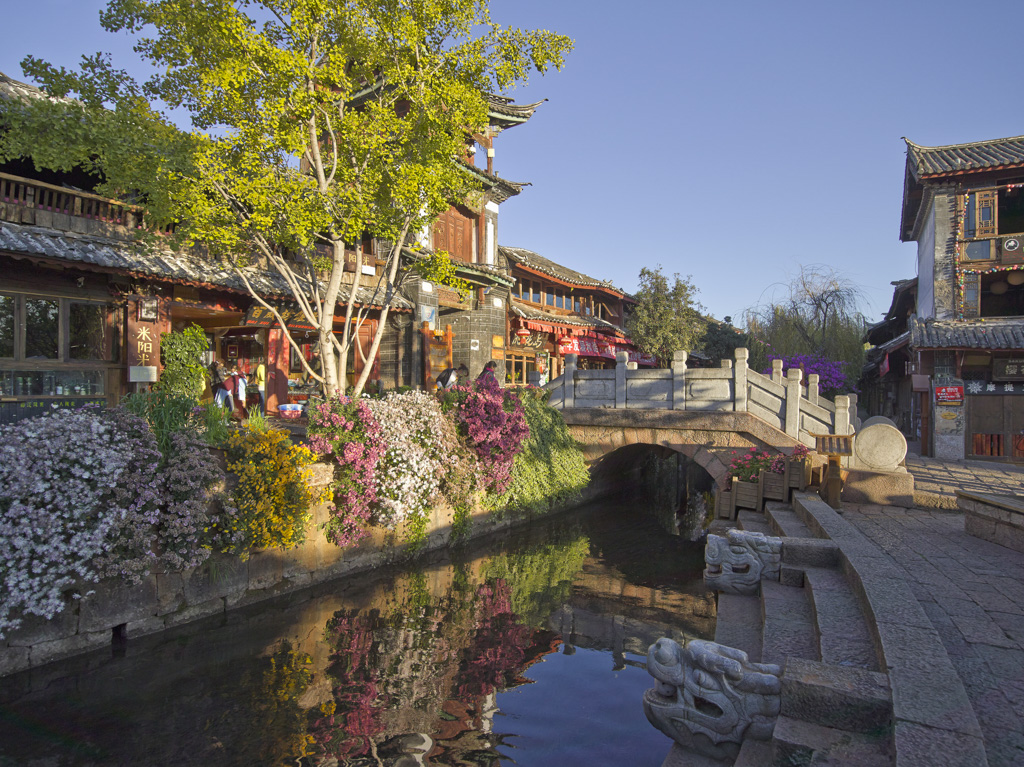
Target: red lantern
522 333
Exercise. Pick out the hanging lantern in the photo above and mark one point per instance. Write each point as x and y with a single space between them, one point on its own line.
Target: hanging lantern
522 333
1015 277
998 288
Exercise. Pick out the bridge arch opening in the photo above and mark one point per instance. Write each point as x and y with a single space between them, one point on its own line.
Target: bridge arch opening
670 483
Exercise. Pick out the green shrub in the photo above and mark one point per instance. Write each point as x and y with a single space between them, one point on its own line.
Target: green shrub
182 356
550 469
166 411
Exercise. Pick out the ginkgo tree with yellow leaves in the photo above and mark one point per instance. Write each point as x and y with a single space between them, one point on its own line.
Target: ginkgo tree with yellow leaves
312 122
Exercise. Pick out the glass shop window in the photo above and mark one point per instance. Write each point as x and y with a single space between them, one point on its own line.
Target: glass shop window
88 328
42 328
7 326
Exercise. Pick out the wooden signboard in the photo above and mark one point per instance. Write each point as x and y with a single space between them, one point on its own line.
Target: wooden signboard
437 353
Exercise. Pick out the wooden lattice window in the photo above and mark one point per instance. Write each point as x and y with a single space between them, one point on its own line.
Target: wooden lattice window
971 295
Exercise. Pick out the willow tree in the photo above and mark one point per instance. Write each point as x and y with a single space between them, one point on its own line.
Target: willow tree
818 315
313 122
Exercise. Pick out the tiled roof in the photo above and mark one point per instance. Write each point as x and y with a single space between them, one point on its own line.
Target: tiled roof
173 266
504 112
537 262
963 158
966 334
15 90
533 314
501 189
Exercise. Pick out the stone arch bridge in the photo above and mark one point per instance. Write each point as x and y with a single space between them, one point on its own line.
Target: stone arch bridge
702 413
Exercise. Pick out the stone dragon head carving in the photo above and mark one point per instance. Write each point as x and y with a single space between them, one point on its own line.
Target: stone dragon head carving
738 562
708 697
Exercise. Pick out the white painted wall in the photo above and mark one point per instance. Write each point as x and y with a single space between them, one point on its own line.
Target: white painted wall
926 267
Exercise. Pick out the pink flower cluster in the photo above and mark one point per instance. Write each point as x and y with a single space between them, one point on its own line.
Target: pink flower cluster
748 465
493 422
348 430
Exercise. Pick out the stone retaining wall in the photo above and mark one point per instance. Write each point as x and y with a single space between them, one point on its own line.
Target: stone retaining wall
116 611
993 517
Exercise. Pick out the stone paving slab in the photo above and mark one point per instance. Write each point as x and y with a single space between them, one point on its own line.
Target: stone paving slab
971 590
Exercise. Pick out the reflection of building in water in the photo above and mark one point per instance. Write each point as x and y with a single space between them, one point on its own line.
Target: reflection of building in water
607 612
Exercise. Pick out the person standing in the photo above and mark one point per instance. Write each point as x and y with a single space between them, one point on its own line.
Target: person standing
231 384
261 383
219 385
487 377
242 384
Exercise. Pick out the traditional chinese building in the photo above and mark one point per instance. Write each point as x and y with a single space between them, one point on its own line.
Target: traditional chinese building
468 231
952 345
83 305
554 311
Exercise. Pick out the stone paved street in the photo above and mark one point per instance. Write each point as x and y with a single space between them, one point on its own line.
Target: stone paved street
971 590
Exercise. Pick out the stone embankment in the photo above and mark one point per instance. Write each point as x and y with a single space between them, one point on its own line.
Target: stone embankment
866 677
115 612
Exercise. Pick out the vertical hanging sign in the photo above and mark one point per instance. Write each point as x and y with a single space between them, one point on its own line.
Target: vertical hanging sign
144 341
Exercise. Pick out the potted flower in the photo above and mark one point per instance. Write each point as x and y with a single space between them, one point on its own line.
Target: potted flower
757 476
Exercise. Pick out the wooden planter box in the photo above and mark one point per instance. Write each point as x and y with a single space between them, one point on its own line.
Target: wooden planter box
768 487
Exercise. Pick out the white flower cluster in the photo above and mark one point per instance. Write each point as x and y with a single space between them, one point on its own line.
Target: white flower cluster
56 511
410 472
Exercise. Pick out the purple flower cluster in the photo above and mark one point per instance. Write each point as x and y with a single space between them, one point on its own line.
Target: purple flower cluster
832 379
347 430
493 422
187 528
84 494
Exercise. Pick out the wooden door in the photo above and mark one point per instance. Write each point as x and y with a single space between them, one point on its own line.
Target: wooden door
987 427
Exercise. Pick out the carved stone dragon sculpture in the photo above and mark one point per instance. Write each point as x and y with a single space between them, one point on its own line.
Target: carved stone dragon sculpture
708 697
738 562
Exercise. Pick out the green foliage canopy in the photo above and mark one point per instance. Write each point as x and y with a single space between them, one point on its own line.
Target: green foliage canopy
667 317
313 122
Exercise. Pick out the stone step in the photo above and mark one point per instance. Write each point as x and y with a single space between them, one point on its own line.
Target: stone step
753 521
810 552
785 522
844 638
852 699
796 742
754 753
739 624
788 624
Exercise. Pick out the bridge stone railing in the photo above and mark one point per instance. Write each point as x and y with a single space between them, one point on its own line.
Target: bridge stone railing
783 402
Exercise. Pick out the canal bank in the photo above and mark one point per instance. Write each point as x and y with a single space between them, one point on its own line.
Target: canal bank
526 648
116 612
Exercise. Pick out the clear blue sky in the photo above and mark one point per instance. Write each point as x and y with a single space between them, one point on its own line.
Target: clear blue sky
730 141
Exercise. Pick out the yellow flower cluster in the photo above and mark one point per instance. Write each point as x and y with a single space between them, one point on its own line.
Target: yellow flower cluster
273 497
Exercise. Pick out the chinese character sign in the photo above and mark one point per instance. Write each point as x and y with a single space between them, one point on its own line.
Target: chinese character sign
144 340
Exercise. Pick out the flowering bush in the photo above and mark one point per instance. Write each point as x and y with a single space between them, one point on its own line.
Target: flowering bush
492 421
832 378
273 498
188 529
419 440
347 430
140 491
746 466
60 507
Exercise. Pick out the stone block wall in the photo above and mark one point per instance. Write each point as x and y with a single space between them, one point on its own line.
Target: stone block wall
116 611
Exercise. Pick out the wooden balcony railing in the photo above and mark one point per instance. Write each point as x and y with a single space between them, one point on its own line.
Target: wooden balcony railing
28 194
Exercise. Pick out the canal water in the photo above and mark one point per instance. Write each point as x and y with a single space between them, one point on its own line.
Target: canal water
528 650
